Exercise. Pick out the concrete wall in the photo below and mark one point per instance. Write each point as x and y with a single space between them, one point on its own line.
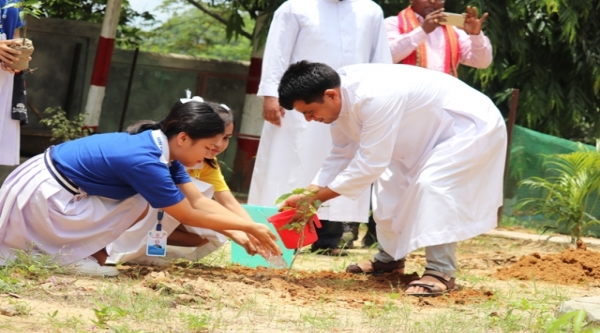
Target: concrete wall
63 61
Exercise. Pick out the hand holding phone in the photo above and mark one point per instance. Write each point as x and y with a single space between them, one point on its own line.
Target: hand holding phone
457 20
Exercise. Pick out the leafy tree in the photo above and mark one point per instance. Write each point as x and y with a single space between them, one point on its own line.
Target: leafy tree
194 33
94 11
571 193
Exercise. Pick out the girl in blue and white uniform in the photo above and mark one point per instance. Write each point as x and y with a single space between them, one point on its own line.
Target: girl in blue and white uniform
79 196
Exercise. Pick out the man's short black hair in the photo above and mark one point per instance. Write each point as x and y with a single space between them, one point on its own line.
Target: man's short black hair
306 81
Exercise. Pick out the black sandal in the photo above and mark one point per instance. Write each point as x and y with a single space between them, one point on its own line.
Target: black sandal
433 289
378 267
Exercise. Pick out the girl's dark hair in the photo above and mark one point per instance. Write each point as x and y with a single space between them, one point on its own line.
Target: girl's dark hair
199 120
228 118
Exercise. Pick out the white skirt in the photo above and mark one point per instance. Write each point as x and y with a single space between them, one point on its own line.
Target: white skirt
10 129
37 213
131 245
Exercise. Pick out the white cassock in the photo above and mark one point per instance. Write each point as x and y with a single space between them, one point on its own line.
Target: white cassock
337 33
434 146
131 245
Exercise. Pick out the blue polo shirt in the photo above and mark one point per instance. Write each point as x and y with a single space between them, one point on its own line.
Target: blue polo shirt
121 165
11 22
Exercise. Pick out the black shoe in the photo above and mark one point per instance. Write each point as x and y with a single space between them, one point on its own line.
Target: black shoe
369 240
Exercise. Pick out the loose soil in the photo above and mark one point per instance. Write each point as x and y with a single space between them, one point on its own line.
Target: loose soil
570 267
235 297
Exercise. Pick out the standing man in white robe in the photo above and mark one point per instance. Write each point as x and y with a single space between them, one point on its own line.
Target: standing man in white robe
334 32
434 147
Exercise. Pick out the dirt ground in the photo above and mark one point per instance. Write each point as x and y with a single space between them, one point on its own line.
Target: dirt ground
487 265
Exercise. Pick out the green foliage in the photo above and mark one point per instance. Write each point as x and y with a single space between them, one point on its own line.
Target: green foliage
575 178
64 129
27 7
194 33
305 208
107 313
573 322
542 48
93 11
28 264
197 323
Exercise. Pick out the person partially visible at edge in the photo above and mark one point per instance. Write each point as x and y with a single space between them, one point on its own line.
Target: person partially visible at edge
78 197
130 247
9 129
433 146
417 37
290 150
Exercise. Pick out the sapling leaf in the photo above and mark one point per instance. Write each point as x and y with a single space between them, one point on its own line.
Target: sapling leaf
283 197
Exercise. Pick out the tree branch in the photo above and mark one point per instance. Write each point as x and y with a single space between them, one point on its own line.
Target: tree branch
216 17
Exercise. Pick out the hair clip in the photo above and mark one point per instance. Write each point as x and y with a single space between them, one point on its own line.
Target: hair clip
225 107
194 99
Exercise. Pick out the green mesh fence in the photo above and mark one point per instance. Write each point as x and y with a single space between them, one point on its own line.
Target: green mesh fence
528 154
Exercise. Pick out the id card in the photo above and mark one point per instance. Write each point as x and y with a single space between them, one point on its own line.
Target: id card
157 243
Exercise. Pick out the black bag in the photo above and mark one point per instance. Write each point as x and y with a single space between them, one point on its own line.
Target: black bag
19 108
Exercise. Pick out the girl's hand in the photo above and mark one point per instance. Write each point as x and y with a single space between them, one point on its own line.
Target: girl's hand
266 239
243 240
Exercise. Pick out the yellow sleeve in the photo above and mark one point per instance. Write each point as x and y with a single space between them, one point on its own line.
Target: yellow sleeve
212 176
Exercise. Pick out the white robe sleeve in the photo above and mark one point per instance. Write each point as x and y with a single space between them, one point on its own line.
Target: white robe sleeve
380 52
380 118
278 50
342 152
475 50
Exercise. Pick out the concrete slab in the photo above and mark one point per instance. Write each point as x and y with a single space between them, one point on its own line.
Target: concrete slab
534 237
591 305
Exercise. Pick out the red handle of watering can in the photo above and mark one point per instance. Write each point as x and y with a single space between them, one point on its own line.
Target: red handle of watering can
317 222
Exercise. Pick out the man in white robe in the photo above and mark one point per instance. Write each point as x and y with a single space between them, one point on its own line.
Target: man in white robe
434 147
291 150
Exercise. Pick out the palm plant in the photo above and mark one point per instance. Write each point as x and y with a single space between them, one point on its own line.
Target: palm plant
571 193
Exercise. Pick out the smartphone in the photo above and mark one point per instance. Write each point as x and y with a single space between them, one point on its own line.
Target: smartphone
453 19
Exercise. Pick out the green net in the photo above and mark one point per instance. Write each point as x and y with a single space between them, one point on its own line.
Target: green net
529 153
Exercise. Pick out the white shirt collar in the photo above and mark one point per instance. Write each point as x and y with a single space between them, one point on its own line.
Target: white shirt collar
163 144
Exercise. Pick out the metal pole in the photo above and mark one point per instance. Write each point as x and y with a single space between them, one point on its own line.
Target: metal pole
128 91
106 44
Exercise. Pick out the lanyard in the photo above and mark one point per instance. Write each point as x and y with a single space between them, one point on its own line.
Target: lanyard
159 217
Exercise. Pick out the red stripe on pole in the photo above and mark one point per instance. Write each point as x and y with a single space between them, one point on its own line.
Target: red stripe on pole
254 76
102 63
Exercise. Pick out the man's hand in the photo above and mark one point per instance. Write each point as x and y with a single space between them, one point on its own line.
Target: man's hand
473 23
8 55
272 111
432 20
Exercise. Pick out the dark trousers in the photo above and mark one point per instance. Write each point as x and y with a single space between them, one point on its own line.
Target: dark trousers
329 235
371 236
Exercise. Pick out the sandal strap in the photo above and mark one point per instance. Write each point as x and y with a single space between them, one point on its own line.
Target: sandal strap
379 266
432 288
446 279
